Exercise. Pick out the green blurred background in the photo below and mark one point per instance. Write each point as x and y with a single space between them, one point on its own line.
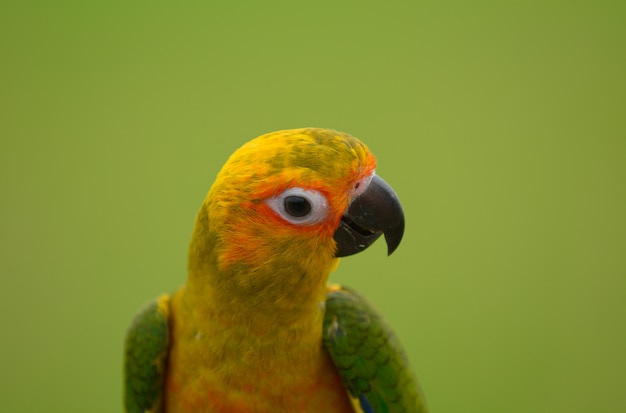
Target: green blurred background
501 125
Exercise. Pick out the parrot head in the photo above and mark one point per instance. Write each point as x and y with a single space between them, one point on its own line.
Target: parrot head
294 201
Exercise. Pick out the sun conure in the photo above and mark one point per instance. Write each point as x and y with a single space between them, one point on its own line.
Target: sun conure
256 328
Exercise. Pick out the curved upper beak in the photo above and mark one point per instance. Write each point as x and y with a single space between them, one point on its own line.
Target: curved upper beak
376 211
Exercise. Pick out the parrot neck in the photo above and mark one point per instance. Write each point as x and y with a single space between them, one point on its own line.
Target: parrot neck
265 341
274 308
265 300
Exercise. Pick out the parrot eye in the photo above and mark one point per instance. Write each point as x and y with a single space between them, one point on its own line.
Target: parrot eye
297 206
300 206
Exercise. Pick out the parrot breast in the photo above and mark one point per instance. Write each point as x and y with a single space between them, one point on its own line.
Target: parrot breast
217 367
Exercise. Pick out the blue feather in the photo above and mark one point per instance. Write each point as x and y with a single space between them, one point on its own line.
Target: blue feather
365 405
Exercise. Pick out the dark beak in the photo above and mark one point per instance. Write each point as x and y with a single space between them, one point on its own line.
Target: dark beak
376 211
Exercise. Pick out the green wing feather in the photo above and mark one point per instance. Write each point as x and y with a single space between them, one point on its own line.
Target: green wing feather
146 350
369 358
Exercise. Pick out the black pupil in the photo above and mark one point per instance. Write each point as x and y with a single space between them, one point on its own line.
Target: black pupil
296 206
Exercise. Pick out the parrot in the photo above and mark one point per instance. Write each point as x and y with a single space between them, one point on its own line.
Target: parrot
257 327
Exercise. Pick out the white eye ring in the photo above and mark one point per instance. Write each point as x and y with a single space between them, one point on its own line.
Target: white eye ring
300 206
